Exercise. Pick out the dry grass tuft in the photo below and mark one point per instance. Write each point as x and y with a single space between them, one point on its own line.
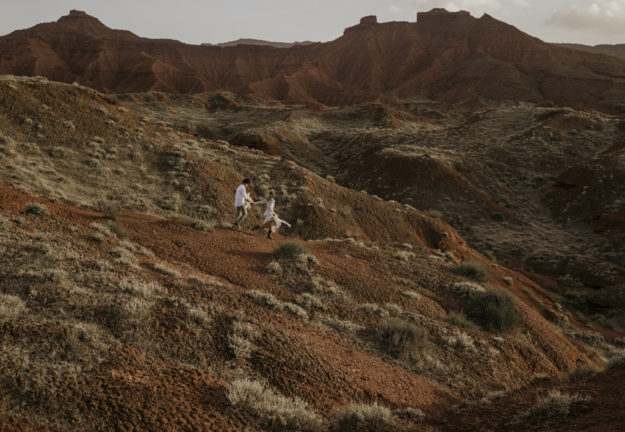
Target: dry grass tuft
467 288
554 405
411 294
411 413
373 309
310 301
460 320
274 267
10 307
461 341
36 209
143 289
364 417
296 310
582 372
166 270
393 309
198 316
240 340
273 411
264 298
343 326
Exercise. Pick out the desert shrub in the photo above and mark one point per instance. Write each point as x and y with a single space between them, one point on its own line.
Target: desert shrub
273 411
36 209
494 310
202 225
343 326
296 310
554 405
166 270
461 341
119 317
309 301
198 316
240 340
465 288
142 288
403 339
264 298
124 256
54 275
109 209
366 417
373 309
117 228
460 320
274 267
393 309
582 372
617 363
411 294
473 270
239 346
588 337
4 222
10 307
411 413
289 251
403 255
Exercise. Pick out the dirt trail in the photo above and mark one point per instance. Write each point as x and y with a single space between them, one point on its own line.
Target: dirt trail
238 256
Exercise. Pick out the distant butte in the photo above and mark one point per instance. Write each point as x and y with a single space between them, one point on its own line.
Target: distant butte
449 57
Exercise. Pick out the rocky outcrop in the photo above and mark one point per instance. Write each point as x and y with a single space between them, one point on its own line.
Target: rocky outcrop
365 22
440 21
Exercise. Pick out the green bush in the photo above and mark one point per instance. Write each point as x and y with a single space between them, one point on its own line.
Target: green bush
288 251
403 339
494 310
473 270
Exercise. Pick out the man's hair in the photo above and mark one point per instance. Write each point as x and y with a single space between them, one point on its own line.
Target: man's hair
246 181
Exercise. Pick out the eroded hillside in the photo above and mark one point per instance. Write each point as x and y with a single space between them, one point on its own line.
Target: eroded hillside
127 301
539 189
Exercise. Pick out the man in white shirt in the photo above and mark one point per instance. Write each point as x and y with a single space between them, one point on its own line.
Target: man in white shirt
241 199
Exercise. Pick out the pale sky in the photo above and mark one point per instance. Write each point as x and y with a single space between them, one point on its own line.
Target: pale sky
195 21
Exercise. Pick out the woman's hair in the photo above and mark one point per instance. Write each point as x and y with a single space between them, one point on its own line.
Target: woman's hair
271 193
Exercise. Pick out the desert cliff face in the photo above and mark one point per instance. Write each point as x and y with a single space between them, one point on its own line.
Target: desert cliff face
455 260
452 58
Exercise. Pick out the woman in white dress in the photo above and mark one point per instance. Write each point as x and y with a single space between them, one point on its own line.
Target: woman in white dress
272 222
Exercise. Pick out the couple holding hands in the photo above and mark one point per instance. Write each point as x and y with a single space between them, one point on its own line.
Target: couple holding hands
242 202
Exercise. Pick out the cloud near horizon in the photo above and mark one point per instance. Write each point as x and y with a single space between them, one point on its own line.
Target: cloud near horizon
603 16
